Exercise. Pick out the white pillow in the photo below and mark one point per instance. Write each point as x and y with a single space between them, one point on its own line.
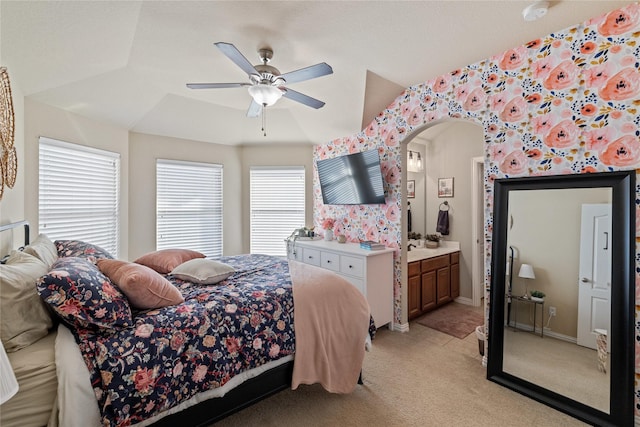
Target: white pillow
203 271
23 315
43 249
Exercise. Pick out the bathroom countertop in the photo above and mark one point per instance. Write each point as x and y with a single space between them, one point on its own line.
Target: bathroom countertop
446 247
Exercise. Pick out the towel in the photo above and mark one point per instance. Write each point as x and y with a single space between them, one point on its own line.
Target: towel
443 222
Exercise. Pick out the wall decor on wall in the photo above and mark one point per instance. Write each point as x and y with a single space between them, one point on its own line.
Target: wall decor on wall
8 155
411 189
445 187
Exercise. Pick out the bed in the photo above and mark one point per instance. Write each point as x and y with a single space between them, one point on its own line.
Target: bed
227 345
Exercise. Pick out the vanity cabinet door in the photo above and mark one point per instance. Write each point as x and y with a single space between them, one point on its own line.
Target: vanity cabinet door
428 296
413 296
443 279
455 275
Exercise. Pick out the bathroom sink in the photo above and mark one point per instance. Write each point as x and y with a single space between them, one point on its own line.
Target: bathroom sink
416 254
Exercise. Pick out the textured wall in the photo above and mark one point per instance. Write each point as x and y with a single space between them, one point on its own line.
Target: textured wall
563 104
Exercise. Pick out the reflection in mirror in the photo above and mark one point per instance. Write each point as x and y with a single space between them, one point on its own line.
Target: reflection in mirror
573 348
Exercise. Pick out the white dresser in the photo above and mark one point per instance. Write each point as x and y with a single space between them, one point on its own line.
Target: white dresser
369 271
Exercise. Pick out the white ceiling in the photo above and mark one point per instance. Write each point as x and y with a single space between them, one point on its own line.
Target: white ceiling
127 63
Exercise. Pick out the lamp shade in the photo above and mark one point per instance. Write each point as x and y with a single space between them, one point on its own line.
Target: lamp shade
265 94
8 382
526 272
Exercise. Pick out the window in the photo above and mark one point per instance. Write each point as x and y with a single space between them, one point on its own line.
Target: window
79 192
277 207
189 206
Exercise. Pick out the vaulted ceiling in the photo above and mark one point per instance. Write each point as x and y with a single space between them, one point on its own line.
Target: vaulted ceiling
127 63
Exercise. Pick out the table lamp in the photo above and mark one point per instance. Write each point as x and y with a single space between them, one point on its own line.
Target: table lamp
526 272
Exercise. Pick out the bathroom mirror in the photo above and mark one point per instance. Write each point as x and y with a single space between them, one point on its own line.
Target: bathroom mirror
541 223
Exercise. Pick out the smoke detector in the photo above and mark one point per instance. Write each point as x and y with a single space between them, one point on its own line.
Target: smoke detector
535 11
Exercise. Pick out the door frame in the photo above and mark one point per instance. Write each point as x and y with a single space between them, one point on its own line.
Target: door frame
477 227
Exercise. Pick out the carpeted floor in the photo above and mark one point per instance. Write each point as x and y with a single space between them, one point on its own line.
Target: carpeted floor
419 378
455 319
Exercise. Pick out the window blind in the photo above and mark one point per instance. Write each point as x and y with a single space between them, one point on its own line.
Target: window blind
79 190
189 206
277 207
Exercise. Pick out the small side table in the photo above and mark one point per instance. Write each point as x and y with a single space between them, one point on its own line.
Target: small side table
535 310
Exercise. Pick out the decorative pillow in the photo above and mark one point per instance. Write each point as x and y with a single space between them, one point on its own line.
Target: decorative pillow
165 260
23 316
83 296
80 249
143 286
203 271
43 249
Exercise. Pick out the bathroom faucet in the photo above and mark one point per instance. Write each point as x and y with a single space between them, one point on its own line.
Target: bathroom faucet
411 245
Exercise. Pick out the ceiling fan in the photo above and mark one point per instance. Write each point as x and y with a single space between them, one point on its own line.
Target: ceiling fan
266 85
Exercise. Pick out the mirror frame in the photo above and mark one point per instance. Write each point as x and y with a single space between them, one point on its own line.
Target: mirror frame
621 392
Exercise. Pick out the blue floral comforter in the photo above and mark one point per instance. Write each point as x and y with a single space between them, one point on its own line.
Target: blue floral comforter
174 353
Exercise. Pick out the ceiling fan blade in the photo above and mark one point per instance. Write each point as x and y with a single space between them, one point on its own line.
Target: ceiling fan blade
254 109
302 98
318 70
215 85
234 54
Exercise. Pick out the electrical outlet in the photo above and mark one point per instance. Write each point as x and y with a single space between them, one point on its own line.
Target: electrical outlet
552 311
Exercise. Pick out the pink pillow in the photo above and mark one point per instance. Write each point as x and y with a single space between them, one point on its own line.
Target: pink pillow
165 260
143 287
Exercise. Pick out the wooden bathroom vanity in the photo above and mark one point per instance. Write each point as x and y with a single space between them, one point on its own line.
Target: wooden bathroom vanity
433 279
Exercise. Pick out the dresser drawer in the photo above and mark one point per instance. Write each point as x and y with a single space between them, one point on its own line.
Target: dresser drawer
352 266
435 263
311 256
330 260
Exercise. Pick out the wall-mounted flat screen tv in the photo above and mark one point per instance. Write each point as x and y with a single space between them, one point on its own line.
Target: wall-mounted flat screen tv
352 179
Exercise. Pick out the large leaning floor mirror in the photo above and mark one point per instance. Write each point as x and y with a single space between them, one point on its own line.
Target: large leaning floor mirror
561 325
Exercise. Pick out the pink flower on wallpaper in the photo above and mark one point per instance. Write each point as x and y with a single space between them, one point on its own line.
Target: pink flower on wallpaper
599 138
392 139
497 152
623 85
353 212
461 92
406 109
623 151
542 124
562 76
597 75
393 175
534 154
354 146
541 67
371 232
416 116
515 110
619 21
442 83
562 135
513 58
476 100
514 163
392 213
497 101
372 129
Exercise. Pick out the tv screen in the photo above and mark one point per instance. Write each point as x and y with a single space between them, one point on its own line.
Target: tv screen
353 179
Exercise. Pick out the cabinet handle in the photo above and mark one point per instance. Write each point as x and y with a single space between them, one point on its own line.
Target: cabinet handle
328 261
310 257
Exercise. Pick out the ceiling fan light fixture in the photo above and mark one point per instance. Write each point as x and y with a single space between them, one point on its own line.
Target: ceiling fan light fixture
265 95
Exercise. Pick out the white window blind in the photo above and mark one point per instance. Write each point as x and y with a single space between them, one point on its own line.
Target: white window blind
79 190
277 207
189 206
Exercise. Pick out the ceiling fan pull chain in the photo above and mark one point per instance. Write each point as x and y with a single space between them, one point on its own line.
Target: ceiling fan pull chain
264 119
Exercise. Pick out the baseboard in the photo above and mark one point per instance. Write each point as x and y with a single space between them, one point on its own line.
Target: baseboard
464 300
567 338
401 327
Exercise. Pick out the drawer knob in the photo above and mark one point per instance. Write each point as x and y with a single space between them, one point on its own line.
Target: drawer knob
350 266
310 257
328 261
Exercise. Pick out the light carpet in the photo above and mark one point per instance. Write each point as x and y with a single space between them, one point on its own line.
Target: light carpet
455 319
419 378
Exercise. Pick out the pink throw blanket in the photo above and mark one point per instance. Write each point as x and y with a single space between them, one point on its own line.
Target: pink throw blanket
331 321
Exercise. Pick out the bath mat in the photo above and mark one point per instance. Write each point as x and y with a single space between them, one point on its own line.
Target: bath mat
457 320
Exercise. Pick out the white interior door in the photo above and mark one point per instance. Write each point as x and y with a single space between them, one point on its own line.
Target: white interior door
594 281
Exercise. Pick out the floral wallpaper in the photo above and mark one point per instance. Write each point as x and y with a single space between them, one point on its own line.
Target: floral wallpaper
567 103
